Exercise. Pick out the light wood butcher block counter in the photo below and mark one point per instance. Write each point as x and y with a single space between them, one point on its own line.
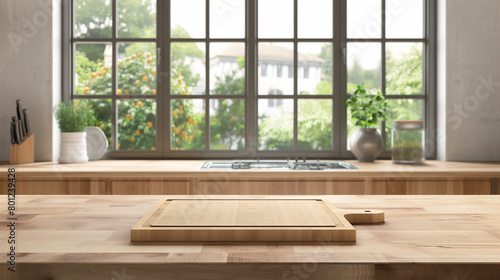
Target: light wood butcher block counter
423 237
185 177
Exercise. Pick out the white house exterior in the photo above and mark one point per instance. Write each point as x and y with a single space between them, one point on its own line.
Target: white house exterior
275 70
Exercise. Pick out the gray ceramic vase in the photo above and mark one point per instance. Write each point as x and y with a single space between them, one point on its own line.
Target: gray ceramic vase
366 144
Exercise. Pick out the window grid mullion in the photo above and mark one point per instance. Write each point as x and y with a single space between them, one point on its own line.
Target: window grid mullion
207 76
295 145
114 102
383 67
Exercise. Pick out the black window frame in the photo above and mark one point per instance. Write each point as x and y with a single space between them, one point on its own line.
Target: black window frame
339 95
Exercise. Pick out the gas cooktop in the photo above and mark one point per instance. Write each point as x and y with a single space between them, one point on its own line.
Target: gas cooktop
278 164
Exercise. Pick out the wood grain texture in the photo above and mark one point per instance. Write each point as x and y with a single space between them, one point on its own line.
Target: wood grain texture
454 240
384 169
250 220
424 237
186 186
23 153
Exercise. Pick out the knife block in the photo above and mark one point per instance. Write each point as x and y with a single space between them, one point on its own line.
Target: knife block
24 152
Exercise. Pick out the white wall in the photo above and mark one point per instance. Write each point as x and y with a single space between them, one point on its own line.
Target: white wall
469 80
27 69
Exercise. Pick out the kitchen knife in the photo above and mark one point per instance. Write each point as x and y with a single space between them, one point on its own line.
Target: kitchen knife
20 118
17 131
26 122
12 132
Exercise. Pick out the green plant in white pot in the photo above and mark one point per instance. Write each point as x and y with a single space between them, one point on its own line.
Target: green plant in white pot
367 110
72 122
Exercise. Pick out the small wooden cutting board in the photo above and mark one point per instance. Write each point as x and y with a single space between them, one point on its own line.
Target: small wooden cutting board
250 220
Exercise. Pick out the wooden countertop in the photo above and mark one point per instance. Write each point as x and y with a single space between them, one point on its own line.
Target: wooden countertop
191 169
87 237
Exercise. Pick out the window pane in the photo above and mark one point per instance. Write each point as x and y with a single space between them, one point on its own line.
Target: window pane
402 109
137 124
315 68
100 112
136 18
315 124
275 19
272 55
188 68
93 68
188 124
188 18
275 124
363 66
227 124
364 18
227 19
405 18
92 19
404 68
315 19
136 68
227 68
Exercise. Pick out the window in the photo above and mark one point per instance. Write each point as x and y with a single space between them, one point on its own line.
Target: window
275 102
306 72
198 79
263 70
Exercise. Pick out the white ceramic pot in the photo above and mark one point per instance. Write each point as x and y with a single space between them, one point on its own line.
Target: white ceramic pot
73 147
97 143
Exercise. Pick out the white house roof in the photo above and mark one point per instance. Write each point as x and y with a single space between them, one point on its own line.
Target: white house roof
268 51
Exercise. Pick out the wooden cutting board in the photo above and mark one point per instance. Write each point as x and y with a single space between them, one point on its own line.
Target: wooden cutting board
250 220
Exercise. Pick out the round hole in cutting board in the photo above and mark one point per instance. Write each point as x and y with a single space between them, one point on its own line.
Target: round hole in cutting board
367 211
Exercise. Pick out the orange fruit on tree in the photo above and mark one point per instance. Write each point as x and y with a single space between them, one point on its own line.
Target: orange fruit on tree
139 54
139 104
149 124
127 91
215 118
233 118
153 91
148 54
132 139
137 132
143 73
181 112
93 75
145 78
191 138
105 68
133 56
180 107
137 82
195 123
104 71
153 148
149 60
153 71
119 92
128 117
175 113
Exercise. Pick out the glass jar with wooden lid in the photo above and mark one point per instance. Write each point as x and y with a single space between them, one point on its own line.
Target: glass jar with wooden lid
408 142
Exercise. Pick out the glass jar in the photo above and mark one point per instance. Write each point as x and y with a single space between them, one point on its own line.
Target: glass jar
408 142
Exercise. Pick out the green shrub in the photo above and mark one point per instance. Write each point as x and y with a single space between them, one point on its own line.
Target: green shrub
70 118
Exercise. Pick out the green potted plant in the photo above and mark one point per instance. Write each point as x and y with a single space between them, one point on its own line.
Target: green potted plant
367 110
72 123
